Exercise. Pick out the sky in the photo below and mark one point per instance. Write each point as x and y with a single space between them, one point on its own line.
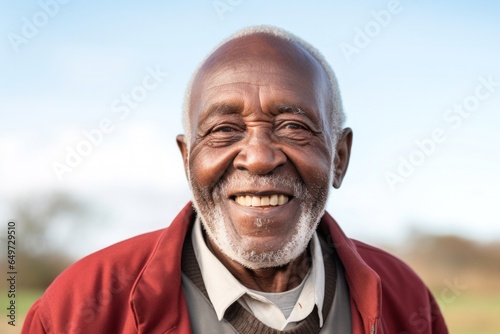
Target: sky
91 97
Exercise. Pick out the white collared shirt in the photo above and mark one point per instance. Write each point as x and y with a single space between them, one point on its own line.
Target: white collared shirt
224 289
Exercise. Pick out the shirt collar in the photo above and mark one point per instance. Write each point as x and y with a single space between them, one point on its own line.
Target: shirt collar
224 289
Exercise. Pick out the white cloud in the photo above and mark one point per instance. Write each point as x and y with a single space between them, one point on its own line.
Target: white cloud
133 153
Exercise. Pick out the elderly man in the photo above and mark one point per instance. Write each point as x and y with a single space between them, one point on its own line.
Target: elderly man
263 145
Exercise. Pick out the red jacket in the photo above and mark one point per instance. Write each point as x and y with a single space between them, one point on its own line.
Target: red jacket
135 287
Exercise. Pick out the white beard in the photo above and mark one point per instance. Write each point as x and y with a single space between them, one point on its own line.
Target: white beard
217 225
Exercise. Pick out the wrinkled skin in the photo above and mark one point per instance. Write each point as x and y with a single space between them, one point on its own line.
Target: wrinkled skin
259 120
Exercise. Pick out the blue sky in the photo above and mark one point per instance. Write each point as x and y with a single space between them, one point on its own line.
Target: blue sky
408 73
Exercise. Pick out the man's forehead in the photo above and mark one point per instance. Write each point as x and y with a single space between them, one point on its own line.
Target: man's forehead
258 51
243 98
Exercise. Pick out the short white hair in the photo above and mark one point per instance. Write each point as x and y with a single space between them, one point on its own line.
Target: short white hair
336 115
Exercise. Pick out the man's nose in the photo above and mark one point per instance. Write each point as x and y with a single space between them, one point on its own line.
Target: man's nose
259 154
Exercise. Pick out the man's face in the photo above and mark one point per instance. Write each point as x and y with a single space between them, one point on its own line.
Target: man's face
260 163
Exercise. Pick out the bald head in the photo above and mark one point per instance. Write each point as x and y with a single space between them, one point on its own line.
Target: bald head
269 50
260 48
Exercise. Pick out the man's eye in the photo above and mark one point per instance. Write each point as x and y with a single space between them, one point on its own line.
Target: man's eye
294 126
223 129
296 131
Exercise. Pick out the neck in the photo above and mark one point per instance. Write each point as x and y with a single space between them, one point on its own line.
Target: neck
273 279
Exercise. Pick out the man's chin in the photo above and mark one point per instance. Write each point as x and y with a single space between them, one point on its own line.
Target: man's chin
261 261
246 254
258 252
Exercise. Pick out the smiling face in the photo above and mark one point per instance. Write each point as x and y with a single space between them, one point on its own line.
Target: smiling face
260 159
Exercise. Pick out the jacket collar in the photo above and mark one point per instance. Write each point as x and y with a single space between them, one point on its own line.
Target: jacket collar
159 306
365 288
156 298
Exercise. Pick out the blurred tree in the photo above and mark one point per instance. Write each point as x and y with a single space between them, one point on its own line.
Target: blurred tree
43 222
445 257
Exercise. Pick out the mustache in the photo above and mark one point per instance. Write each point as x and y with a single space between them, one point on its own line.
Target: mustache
238 181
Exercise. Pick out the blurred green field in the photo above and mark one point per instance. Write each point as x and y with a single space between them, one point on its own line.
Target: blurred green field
24 299
469 313
473 313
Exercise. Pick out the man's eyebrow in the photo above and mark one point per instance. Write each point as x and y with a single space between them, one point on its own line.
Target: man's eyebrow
289 108
222 108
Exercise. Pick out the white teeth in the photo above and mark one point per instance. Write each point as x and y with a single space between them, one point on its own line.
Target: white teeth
282 200
272 200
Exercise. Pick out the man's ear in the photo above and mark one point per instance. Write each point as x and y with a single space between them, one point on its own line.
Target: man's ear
342 155
184 151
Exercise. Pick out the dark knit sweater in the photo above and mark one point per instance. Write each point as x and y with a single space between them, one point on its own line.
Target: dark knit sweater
242 320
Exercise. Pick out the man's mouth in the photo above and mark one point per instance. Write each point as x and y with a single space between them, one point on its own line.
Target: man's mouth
271 200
